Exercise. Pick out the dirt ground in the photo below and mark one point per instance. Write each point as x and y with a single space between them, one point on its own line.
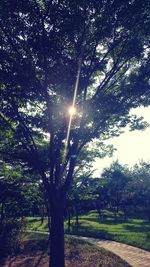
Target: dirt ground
78 254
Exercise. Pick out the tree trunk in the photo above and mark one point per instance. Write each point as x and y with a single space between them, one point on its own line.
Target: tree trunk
42 213
69 220
2 213
99 210
125 212
57 258
115 213
77 215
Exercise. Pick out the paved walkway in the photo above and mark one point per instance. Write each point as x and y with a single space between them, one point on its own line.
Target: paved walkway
136 257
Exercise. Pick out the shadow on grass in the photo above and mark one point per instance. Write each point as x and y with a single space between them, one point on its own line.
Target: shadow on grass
45 226
128 232
89 231
108 221
35 236
144 227
148 237
36 219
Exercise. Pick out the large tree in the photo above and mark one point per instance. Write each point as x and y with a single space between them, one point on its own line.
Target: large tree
48 50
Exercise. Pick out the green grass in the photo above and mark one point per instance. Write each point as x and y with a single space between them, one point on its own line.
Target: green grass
35 224
135 232
34 236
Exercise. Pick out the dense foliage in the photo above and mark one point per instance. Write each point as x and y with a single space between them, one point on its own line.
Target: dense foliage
49 48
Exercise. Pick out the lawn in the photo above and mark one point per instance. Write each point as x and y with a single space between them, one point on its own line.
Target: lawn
135 232
35 224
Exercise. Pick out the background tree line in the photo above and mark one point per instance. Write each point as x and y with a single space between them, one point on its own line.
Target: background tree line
119 189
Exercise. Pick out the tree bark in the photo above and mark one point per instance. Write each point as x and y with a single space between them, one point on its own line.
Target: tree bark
69 220
2 212
57 257
77 215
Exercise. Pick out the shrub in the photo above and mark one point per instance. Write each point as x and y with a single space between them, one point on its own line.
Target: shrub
11 235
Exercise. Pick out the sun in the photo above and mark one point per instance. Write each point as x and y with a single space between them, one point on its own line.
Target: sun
72 110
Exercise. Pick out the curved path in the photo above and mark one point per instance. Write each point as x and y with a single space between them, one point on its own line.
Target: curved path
136 257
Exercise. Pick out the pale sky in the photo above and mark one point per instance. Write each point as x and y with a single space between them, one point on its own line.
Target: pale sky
131 146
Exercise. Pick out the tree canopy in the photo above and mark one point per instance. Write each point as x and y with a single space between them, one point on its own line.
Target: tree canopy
40 54
49 50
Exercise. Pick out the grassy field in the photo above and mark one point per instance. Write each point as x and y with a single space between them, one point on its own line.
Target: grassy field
34 224
135 232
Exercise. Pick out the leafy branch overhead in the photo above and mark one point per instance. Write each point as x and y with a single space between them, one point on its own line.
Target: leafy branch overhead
40 54
91 55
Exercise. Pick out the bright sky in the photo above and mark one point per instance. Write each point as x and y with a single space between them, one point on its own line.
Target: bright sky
131 146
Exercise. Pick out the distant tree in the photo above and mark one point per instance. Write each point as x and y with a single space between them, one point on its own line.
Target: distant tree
49 49
140 187
116 188
102 199
82 194
81 197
